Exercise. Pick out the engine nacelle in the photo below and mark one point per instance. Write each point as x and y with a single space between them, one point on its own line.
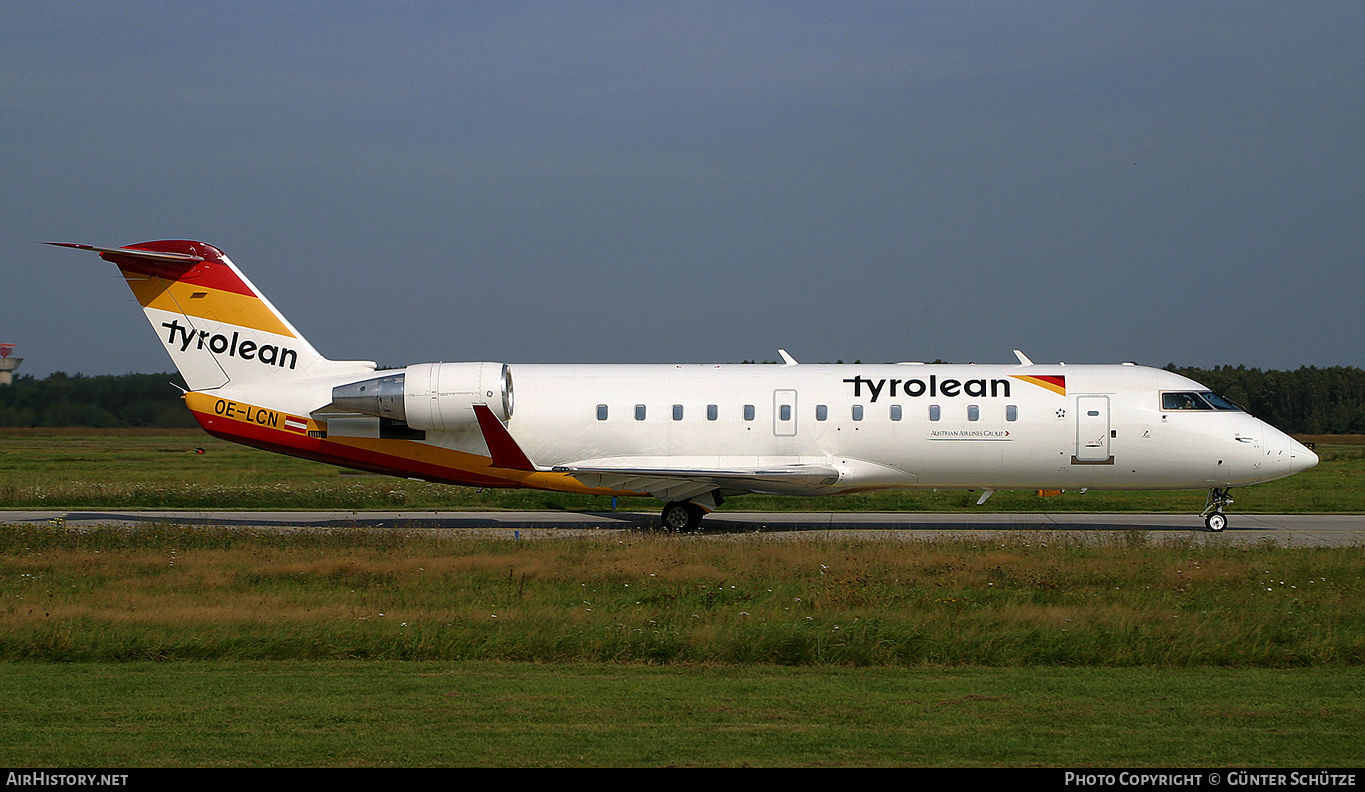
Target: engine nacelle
441 396
431 396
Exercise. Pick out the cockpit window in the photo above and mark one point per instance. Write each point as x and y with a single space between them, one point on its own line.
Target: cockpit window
1195 400
1218 402
1185 400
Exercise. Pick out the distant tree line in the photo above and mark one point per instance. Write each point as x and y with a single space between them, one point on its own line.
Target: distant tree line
1308 400
104 401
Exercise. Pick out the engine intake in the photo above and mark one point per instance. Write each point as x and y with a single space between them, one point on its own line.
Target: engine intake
431 396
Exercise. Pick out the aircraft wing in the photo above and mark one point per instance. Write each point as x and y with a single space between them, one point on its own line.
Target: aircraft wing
667 484
674 484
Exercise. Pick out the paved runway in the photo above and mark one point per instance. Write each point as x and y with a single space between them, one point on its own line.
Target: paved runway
1296 530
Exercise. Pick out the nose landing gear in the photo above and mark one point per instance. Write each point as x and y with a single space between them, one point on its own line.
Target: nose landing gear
1214 518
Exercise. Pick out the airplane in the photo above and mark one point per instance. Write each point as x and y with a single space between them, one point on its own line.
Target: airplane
692 435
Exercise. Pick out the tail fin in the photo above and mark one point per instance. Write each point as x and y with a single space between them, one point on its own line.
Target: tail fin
215 325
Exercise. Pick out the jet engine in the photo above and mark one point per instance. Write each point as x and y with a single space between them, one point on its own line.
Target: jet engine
433 397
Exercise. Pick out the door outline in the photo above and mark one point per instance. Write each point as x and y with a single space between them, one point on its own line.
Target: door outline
1093 430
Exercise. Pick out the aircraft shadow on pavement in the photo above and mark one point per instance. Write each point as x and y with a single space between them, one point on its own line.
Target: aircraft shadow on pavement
715 524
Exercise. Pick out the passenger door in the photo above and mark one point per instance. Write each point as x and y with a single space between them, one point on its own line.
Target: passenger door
1092 430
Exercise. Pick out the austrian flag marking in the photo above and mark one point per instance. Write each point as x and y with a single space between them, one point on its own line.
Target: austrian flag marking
294 424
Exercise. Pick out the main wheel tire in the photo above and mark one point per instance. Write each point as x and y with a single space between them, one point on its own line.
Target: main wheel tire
682 516
1216 522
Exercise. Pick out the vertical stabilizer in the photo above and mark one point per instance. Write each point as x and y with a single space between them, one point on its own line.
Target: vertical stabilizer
215 325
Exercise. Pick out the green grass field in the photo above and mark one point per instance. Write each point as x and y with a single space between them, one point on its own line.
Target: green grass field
135 647
1111 599
199 646
481 714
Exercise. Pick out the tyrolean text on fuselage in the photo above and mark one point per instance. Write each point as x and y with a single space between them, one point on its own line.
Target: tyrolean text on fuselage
934 387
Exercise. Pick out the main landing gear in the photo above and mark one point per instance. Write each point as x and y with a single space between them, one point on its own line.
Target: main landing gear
1214 518
682 516
685 515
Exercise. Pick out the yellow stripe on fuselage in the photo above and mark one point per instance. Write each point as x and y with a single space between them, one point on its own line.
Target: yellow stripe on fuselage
215 305
242 420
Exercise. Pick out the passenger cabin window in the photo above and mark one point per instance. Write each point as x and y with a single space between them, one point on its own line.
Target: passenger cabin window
821 412
748 412
677 412
973 412
712 412
784 413
857 412
639 412
895 412
934 412
601 412
1011 412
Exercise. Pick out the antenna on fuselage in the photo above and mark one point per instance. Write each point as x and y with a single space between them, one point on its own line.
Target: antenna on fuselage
1023 359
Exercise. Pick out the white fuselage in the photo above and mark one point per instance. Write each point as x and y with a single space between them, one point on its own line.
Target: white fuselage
895 426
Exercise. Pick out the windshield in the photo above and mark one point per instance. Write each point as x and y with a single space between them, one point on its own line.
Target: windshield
1196 400
1218 402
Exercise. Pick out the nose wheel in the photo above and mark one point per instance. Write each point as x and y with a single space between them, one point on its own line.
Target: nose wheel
1214 518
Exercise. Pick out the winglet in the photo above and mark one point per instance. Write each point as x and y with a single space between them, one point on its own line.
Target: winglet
504 450
1023 359
788 360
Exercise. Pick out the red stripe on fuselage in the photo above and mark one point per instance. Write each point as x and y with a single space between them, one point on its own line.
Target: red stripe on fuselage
320 450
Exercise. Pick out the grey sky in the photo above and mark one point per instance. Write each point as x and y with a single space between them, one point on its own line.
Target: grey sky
699 182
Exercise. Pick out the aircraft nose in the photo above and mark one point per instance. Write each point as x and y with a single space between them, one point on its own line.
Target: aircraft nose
1300 457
